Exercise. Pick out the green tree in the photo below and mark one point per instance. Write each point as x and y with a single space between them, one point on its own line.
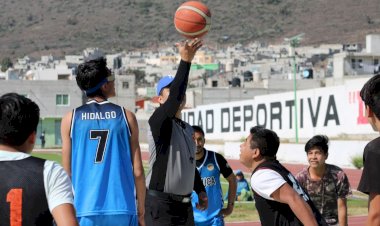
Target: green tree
6 63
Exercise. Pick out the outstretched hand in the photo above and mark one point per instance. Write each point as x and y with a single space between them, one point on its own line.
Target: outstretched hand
188 48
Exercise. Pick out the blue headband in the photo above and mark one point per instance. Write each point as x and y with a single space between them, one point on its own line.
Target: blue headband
93 89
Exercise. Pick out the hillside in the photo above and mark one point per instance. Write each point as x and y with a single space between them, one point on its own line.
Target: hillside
68 26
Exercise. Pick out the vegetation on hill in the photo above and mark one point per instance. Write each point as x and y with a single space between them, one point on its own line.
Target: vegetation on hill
68 26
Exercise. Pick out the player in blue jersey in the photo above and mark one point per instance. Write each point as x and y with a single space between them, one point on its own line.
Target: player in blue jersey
210 165
101 152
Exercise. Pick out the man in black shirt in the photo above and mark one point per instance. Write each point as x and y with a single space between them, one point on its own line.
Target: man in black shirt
279 199
369 182
172 175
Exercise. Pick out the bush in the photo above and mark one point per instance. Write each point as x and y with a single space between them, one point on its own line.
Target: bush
357 161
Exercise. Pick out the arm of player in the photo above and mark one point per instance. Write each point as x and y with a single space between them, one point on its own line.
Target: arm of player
373 209
64 215
66 142
231 195
199 188
342 211
138 169
300 208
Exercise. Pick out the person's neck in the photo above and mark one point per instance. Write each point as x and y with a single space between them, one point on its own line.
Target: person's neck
316 173
255 164
178 115
98 98
11 149
200 154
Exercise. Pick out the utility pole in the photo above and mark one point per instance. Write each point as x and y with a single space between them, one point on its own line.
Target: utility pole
294 42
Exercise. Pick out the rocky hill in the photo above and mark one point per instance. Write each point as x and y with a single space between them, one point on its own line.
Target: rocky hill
68 26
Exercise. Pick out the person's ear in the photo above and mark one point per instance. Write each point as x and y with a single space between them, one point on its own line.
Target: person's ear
255 153
160 99
368 111
104 87
31 140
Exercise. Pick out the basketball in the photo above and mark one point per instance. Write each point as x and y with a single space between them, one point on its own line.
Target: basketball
192 19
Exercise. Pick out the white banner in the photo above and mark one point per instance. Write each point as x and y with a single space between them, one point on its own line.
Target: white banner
333 111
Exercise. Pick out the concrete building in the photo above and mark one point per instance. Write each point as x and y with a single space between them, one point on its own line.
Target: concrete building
57 97
351 63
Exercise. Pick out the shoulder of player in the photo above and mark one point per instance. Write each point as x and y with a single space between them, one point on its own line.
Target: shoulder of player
129 114
373 145
68 115
264 172
336 172
303 174
217 155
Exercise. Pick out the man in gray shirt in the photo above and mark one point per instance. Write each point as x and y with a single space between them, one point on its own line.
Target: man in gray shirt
172 175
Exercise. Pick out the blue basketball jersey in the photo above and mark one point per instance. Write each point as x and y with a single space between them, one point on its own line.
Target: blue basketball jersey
102 172
210 174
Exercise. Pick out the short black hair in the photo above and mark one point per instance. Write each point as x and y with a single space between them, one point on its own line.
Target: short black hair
370 94
91 73
19 117
265 140
319 141
199 130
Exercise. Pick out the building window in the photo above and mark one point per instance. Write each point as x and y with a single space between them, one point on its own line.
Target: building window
64 77
375 62
125 85
360 63
353 63
62 99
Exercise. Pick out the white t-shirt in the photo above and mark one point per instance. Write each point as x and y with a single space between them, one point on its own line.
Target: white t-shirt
58 188
266 181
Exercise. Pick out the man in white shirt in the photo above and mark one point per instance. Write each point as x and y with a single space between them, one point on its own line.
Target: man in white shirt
278 197
34 191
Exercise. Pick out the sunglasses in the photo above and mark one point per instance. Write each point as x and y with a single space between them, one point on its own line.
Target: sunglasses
111 78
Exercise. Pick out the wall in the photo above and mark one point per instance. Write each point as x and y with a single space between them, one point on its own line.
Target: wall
340 152
335 111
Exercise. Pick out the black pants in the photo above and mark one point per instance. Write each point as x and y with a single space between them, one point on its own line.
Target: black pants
165 212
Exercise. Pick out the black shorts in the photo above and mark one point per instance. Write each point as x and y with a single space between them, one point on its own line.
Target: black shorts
165 211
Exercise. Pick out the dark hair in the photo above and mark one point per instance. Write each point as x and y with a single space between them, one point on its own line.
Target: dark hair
265 140
19 117
91 73
319 141
199 130
370 94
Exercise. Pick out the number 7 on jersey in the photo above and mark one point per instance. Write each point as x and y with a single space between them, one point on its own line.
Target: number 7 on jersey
102 137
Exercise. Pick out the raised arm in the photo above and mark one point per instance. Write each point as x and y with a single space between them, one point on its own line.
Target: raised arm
66 142
300 208
178 87
138 169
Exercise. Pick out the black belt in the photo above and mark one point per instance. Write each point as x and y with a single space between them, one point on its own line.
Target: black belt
173 197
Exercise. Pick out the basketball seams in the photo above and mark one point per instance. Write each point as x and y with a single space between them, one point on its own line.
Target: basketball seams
206 28
200 12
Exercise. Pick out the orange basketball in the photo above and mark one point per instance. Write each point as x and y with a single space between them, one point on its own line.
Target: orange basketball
192 19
